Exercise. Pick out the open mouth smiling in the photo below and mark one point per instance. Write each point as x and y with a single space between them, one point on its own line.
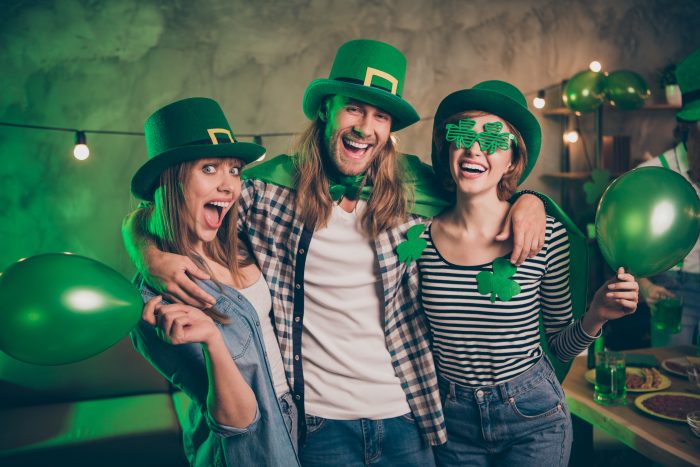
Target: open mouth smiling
471 168
214 212
355 148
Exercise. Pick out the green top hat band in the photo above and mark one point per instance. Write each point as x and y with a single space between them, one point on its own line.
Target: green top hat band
369 71
187 130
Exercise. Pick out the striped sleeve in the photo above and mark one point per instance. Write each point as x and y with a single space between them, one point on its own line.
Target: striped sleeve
566 337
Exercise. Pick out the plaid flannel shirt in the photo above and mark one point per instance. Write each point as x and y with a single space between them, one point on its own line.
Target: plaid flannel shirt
279 241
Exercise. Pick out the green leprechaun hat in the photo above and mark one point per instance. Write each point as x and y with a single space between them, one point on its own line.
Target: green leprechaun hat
371 72
497 98
688 75
187 130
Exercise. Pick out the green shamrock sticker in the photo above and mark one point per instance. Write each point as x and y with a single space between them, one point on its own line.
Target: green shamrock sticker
463 133
411 249
600 178
491 138
498 282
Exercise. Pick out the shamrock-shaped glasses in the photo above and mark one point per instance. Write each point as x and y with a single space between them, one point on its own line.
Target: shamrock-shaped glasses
464 135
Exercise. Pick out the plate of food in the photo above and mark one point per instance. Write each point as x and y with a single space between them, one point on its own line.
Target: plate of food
672 406
639 379
678 365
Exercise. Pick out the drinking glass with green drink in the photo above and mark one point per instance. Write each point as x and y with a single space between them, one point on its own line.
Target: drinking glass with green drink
666 315
610 376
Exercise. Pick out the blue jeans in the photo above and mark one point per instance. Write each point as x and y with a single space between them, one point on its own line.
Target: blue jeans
290 417
353 443
522 422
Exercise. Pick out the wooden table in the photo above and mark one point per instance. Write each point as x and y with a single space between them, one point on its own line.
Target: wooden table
665 442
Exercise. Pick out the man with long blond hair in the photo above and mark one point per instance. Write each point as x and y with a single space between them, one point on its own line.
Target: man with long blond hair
324 225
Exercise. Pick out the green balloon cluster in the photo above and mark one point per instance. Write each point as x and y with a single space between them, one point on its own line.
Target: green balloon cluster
587 90
626 90
59 308
647 221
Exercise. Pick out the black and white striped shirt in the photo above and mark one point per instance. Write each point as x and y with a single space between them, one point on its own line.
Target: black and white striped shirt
480 343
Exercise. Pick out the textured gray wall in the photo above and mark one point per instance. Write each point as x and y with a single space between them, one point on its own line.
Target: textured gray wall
107 65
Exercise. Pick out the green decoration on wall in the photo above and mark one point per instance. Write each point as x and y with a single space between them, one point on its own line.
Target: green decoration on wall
626 90
411 249
584 92
498 282
600 178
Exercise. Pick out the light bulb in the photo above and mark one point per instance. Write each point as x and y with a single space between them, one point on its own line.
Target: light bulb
538 102
571 136
81 151
595 66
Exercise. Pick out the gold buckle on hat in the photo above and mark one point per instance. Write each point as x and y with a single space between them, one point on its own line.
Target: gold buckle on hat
372 72
214 131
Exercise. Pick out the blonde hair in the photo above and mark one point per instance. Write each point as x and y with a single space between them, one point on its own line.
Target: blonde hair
508 183
388 204
168 220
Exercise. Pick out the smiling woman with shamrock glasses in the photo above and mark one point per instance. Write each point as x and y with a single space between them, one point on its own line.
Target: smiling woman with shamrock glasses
502 402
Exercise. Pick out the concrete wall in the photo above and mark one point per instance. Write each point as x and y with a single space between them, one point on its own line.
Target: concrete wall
107 65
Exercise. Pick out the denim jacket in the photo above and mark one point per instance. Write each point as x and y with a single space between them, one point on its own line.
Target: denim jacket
266 440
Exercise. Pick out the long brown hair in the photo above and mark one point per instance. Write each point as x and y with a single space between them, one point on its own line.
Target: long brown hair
388 204
508 183
168 219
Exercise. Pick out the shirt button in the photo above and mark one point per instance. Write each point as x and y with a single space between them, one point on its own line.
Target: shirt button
240 297
257 323
297 397
301 251
296 357
479 393
297 319
297 286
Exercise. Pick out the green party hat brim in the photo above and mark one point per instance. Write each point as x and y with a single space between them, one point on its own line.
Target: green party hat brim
145 181
402 113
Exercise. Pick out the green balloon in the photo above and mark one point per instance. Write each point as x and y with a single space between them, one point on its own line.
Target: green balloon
626 90
647 221
584 92
61 308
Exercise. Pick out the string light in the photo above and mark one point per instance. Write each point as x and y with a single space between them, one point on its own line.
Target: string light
81 151
571 136
538 102
595 66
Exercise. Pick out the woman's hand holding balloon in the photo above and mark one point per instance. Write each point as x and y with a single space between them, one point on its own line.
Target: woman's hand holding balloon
180 324
616 298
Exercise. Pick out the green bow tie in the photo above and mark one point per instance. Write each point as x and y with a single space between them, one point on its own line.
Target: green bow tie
347 186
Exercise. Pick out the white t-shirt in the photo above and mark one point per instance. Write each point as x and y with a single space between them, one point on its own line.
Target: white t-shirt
348 372
258 295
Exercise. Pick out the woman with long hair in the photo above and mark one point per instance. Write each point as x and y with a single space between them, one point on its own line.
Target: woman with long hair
225 358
